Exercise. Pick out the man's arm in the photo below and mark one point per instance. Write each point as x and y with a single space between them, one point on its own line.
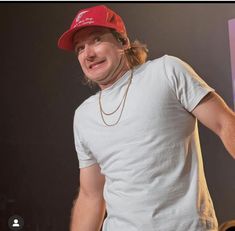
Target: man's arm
213 112
89 208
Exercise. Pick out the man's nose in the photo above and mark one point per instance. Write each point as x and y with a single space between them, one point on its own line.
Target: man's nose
89 51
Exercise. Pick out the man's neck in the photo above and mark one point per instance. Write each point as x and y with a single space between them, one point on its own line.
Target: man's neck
113 80
121 69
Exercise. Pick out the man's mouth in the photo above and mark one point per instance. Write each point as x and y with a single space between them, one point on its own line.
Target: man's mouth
96 64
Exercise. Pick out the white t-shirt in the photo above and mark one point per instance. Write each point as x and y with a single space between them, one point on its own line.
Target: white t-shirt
152 158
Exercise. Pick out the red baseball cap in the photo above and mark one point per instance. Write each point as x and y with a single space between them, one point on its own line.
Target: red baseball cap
94 16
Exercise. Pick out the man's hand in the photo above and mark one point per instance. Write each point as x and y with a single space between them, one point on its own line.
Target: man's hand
89 208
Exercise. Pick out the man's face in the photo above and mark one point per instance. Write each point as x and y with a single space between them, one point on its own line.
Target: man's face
100 55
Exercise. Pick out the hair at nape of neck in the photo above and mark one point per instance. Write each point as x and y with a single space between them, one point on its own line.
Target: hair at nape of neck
136 54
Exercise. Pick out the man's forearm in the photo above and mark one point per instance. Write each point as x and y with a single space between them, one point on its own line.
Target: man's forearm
87 214
228 134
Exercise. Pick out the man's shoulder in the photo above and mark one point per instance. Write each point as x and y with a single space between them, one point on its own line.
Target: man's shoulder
84 106
166 60
173 64
162 64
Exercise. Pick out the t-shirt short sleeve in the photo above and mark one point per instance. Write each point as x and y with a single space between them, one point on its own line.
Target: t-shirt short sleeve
188 86
84 155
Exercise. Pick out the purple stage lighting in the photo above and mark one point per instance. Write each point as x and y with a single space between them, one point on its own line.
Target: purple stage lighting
231 25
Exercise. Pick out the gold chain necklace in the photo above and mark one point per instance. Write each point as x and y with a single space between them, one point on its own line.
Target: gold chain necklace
122 102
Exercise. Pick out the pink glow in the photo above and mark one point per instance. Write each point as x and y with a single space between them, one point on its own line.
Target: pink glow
231 25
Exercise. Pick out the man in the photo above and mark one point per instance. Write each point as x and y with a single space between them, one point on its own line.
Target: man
137 138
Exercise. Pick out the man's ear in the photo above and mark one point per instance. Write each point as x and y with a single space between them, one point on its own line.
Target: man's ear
125 42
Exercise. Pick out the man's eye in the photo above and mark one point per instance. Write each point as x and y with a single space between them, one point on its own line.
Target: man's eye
79 49
97 39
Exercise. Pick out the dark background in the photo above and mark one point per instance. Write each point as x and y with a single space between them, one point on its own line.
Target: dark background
40 90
